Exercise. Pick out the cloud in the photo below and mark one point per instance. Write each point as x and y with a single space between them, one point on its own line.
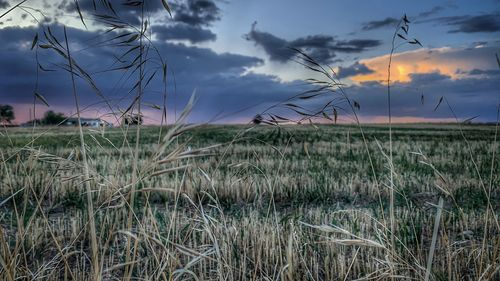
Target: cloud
468 97
190 12
486 23
322 48
196 12
189 17
183 32
126 13
488 72
391 22
353 70
355 45
387 22
274 46
467 78
427 78
4 4
431 12
226 88
482 23
199 63
221 83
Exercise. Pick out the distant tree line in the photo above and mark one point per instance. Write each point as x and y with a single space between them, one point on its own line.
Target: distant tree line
49 118
52 118
6 114
55 118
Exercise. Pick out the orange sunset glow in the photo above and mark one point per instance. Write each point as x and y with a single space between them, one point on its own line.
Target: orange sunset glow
418 62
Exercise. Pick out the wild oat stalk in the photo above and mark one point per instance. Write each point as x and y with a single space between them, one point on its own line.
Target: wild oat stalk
331 86
96 275
130 266
12 8
404 26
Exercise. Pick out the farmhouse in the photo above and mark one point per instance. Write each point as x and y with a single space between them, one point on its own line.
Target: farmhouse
88 122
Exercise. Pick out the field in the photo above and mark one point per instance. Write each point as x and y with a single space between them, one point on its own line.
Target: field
250 203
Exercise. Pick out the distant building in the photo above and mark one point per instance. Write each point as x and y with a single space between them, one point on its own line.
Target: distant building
87 122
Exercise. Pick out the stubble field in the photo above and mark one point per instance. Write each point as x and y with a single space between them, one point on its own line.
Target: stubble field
251 203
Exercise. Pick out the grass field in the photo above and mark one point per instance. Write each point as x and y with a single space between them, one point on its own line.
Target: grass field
254 203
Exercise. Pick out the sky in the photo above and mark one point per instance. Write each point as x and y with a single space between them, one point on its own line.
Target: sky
236 57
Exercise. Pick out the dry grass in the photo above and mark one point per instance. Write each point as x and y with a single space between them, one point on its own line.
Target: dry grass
266 210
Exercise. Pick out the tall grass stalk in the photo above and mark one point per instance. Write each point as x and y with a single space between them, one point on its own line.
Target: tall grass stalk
135 170
434 238
391 163
12 8
96 275
333 83
403 24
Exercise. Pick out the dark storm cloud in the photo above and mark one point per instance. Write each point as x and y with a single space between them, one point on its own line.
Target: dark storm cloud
189 17
222 82
4 4
353 70
274 46
322 48
470 24
219 78
13 37
191 12
387 22
126 13
199 63
390 22
222 89
196 12
183 32
427 78
18 79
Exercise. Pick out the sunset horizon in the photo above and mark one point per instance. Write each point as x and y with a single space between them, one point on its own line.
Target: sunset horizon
239 60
